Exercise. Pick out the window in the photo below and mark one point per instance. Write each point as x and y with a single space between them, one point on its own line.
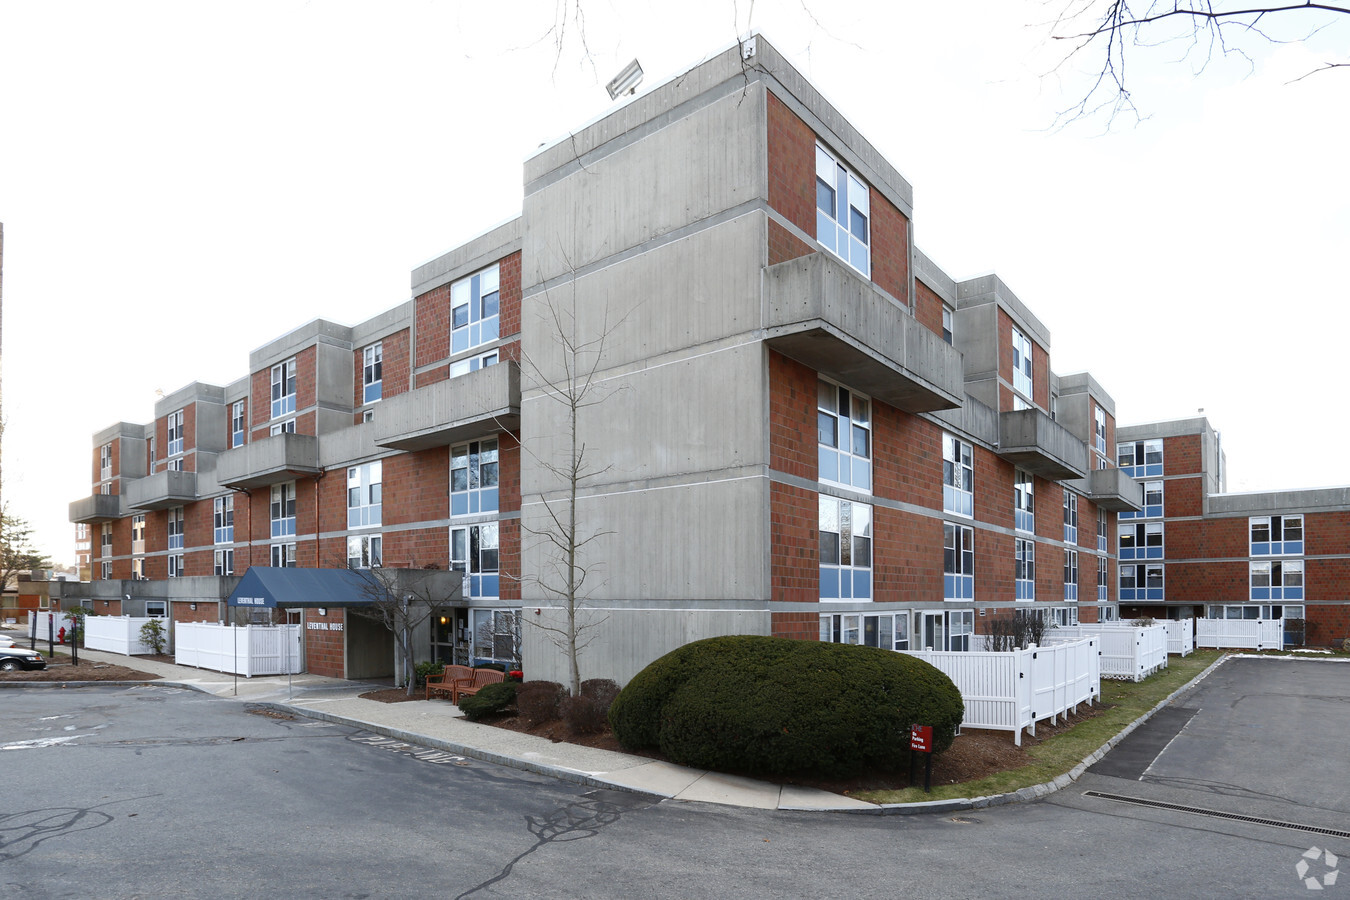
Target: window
1101 578
175 565
948 334
496 636
958 477
174 465
368 415
1021 364
157 609
473 364
175 423
473 478
237 424
1141 459
1141 581
1024 501
1101 530
364 495
474 551
845 550
287 427
1071 575
1276 535
1257 611
1100 415
283 389
224 562
1141 540
364 551
105 462
1065 616
1024 569
844 432
372 372
888 631
105 570
138 534
138 569
176 528
1054 407
474 309
948 631
1153 503
842 212
105 540
223 519
1277 580
151 451
1070 517
958 562
283 556
105 488
283 510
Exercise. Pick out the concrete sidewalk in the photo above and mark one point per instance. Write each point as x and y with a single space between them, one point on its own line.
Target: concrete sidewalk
440 725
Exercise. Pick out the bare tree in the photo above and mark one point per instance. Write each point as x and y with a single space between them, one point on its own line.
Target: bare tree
404 600
1110 33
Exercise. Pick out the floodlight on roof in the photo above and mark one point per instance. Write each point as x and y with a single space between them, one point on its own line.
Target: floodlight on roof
625 82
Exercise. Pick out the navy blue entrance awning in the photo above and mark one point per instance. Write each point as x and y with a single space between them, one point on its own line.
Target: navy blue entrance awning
267 588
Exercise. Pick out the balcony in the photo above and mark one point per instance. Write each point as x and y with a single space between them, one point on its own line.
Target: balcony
96 508
272 460
826 316
1037 444
458 409
1112 489
162 490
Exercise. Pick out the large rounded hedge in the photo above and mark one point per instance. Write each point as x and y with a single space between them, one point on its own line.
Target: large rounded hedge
773 706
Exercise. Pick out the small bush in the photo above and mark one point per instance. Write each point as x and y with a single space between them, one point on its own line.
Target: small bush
772 706
154 636
490 700
537 701
426 668
589 712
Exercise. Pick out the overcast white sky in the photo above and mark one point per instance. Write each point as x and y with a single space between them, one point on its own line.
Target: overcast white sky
181 182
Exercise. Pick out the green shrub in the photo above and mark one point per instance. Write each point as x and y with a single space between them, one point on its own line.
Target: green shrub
490 700
425 668
588 712
773 706
537 701
154 636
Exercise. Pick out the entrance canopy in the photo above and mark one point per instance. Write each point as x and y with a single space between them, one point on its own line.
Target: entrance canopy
268 588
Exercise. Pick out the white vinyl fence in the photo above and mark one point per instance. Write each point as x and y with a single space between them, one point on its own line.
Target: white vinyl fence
1240 634
1180 636
118 634
1131 652
245 650
1013 690
59 620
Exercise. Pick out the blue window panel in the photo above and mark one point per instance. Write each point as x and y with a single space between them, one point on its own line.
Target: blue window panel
489 500
1127 514
473 502
490 586
826 231
1127 593
1261 548
459 341
1292 548
1152 594
829 584
475 585
862 584
829 464
1070 592
858 255
967 585
862 474
1293 593
373 391
1153 553
1260 593
1026 590
1154 469
1026 521
490 329
1127 553
459 504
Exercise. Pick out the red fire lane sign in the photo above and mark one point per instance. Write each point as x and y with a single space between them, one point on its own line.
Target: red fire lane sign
921 738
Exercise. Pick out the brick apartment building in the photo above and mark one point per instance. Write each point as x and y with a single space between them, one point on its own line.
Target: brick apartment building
1196 550
797 424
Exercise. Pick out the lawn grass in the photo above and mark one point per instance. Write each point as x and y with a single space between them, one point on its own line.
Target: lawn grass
1122 701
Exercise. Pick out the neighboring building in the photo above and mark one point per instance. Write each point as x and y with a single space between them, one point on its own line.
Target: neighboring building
797 424
1196 550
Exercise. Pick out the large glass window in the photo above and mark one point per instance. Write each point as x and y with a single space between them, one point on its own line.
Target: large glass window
958 562
843 211
845 550
1024 568
105 462
475 310
283 510
1022 364
496 636
1280 579
372 373
958 477
1141 459
138 534
1141 581
473 363
1141 540
237 425
175 425
1071 575
474 551
223 519
224 562
283 556
1101 578
1024 501
889 631
1070 517
283 389
364 551
844 432
1101 530
1099 428
364 495
948 334
1276 535
1153 503
176 528
473 478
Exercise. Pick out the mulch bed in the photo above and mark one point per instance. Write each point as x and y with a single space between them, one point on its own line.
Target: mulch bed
61 670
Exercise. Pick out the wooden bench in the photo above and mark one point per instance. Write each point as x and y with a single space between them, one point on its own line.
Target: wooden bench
448 681
481 679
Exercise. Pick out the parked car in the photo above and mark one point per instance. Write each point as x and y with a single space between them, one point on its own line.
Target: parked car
6 641
12 659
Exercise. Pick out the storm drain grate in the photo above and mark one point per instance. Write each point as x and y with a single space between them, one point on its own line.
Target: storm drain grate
1215 814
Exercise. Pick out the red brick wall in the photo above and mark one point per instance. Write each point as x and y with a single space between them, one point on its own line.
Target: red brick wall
792 166
1183 497
510 295
1208 582
993 565
1181 455
792 417
928 308
417 488
418 547
798 626
1327 580
784 245
794 516
324 648
1326 533
431 312
890 248
508 471
205 612
508 542
994 491
260 400
906 557
907 457
1328 625
1040 375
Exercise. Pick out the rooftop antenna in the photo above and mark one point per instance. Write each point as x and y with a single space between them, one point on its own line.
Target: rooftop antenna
626 81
